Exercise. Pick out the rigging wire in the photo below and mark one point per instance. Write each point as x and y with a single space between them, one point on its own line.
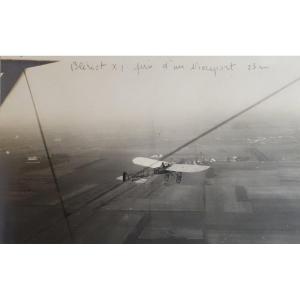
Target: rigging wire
230 118
64 211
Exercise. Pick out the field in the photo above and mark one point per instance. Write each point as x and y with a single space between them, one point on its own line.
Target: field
251 194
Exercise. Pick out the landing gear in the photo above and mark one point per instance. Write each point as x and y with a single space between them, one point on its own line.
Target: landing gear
125 176
178 177
167 177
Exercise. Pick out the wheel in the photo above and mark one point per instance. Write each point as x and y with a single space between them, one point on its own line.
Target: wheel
178 177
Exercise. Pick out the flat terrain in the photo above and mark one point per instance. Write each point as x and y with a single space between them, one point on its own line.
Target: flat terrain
251 194
228 208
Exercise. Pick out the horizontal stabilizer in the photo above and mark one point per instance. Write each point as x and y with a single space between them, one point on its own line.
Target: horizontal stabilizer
136 180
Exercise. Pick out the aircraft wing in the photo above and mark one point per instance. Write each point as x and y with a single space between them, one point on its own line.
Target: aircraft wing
153 163
147 162
10 71
184 168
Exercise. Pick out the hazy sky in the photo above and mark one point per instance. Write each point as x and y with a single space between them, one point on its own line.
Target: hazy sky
135 92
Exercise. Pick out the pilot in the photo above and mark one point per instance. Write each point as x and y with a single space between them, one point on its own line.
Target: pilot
164 165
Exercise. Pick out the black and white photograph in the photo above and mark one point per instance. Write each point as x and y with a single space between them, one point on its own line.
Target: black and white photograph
150 150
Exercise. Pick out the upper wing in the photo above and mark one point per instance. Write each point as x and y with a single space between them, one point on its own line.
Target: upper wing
147 162
184 168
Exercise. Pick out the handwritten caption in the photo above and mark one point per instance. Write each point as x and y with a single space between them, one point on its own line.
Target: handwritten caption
140 68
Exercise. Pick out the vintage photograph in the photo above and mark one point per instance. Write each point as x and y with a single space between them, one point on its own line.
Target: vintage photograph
163 150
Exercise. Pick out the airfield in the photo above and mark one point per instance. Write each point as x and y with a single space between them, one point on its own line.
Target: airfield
251 194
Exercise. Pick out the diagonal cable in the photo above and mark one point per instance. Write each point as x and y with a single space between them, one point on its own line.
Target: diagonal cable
64 211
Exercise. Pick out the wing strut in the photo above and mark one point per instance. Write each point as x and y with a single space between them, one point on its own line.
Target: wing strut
64 211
